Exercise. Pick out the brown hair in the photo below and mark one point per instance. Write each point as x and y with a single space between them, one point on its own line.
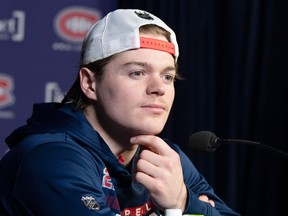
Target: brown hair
75 94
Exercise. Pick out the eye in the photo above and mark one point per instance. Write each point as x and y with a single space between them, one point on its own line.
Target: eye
136 74
169 77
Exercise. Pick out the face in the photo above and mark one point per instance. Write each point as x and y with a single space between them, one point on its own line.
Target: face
136 91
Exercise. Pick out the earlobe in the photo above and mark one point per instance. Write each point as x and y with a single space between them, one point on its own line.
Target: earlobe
87 83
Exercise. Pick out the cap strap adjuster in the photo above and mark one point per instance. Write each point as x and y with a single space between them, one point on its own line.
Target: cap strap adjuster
156 44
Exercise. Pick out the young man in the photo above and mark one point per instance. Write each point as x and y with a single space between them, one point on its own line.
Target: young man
98 153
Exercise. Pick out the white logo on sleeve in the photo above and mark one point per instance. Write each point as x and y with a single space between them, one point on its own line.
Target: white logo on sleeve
90 203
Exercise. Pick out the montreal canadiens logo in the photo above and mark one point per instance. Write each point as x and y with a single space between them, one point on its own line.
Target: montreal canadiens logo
72 23
6 90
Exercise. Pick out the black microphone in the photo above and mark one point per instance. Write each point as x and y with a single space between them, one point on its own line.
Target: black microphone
206 141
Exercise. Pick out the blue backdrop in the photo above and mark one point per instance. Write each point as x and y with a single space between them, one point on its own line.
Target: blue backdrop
233 55
39 53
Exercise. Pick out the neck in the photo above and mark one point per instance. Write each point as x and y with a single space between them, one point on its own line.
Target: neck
118 142
126 156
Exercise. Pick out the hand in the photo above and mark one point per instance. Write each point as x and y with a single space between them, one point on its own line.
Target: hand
159 170
204 198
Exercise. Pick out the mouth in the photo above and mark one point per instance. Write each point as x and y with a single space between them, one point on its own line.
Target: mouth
154 108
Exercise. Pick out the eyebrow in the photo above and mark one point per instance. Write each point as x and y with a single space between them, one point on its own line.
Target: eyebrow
147 65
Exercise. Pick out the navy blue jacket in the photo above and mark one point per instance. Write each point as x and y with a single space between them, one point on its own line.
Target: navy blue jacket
59 165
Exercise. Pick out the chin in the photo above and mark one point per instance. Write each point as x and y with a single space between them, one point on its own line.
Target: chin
150 131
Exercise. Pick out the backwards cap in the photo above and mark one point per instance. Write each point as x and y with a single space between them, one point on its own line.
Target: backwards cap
118 31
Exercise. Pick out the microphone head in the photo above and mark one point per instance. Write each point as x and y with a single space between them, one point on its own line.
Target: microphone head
202 141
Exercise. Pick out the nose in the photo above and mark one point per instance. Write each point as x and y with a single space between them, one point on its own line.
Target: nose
155 86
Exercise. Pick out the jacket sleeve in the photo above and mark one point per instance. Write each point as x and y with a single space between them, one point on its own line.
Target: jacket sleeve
62 179
197 185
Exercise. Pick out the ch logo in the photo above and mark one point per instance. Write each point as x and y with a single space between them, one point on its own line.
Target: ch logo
6 90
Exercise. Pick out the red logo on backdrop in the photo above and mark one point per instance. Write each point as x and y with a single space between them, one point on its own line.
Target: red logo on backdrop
6 88
72 23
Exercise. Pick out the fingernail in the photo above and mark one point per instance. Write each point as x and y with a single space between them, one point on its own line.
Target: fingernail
132 139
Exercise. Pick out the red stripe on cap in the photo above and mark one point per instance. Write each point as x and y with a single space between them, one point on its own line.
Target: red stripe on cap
161 45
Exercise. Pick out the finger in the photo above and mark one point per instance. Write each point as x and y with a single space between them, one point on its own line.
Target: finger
151 157
205 198
153 143
155 165
146 167
150 183
212 203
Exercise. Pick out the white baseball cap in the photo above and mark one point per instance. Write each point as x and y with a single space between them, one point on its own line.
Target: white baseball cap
118 31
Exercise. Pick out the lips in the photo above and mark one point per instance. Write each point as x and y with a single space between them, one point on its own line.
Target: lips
156 108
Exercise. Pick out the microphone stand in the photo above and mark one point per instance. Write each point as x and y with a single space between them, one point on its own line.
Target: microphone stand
247 142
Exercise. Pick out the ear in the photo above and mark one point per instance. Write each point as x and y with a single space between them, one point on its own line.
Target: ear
88 83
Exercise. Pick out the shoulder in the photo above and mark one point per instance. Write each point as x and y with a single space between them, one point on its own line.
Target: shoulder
52 157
